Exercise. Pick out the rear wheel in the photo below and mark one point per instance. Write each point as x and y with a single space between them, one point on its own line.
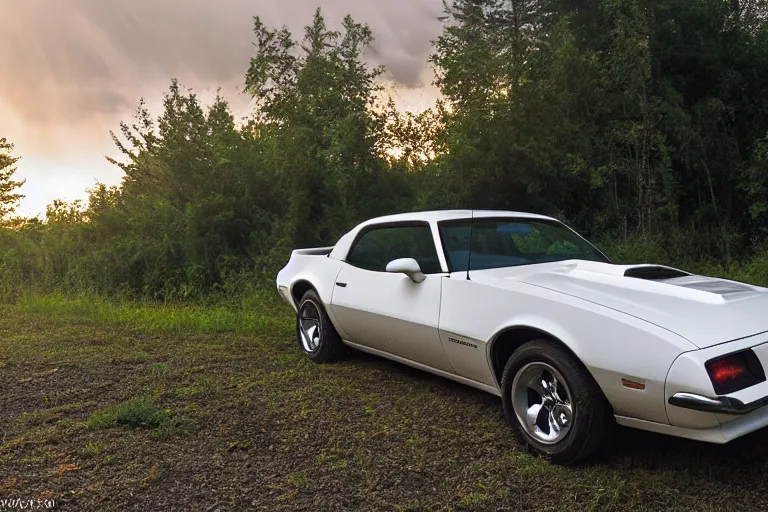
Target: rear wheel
314 331
552 403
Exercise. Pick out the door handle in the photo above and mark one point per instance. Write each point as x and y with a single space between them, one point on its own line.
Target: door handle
343 285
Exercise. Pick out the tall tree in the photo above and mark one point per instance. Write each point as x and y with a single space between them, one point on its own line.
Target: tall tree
316 95
631 117
9 195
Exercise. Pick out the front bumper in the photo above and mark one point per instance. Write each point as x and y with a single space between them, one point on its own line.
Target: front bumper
720 404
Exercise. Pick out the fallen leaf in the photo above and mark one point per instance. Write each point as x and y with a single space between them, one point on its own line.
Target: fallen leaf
63 468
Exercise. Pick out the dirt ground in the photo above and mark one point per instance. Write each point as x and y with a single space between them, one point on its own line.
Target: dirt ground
100 415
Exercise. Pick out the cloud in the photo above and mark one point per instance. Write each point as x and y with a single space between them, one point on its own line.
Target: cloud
80 58
71 70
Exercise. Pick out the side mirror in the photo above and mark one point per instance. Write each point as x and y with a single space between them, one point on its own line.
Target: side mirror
407 266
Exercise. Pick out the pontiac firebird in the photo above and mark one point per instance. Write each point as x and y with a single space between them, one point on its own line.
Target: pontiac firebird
521 306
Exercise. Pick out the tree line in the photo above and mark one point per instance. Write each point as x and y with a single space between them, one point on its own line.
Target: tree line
642 123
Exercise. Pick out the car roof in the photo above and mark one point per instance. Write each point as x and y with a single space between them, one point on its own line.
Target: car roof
342 247
440 215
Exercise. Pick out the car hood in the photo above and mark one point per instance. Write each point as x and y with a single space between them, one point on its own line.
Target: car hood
704 310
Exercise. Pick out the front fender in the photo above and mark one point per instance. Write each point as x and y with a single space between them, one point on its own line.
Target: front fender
547 327
611 345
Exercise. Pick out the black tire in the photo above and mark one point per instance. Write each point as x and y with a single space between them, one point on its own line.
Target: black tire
591 414
329 347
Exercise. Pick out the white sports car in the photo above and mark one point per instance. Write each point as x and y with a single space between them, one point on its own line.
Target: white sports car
521 306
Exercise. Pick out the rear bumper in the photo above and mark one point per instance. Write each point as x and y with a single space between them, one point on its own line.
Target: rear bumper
720 404
285 294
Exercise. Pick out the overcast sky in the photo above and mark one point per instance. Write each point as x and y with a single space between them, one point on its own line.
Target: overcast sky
70 70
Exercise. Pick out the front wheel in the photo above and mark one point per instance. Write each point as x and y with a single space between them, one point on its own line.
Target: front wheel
552 403
314 331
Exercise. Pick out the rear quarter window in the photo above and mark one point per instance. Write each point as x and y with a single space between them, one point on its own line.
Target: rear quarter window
376 247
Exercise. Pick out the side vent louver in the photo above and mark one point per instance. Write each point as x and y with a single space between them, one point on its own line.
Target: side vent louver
654 273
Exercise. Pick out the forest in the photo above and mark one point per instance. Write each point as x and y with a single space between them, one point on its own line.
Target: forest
641 123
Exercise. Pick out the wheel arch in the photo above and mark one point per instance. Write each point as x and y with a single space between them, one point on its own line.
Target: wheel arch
299 288
508 339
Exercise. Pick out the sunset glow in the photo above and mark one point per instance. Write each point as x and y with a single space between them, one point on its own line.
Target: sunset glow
80 67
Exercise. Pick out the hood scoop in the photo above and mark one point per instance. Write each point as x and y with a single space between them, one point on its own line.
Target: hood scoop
659 280
684 279
654 272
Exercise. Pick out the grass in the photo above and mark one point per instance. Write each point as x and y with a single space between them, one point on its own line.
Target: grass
111 406
140 413
151 317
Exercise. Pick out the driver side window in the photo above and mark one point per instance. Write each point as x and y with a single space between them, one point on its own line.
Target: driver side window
379 246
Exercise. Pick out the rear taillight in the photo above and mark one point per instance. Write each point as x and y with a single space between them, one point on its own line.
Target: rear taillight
735 371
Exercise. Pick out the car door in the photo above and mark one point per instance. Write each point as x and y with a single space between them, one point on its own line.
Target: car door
387 311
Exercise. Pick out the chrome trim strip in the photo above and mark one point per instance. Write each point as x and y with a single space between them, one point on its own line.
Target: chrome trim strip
720 404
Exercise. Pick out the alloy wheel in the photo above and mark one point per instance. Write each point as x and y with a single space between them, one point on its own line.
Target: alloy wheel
309 326
542 402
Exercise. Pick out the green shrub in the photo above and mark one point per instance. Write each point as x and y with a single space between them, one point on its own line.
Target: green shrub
139 413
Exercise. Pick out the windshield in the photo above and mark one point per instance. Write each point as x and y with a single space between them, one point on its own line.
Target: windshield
509 242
